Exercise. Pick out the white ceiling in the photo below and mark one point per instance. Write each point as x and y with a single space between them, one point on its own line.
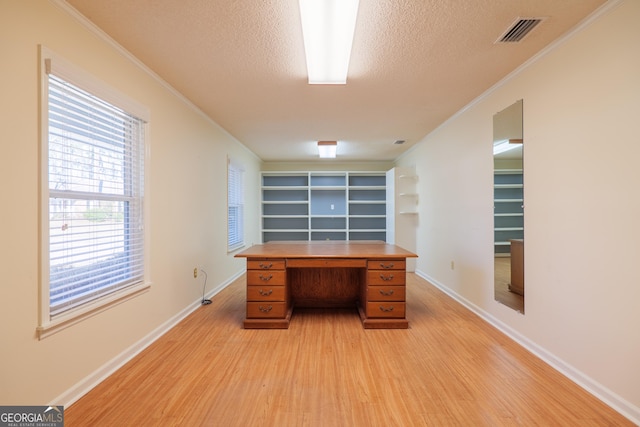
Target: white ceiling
414 64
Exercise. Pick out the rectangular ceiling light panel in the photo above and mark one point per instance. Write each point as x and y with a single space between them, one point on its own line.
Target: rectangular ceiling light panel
327 28
327 149
506 145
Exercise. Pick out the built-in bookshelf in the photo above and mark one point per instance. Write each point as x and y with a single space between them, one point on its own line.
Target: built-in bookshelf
402 209
323 206
508 209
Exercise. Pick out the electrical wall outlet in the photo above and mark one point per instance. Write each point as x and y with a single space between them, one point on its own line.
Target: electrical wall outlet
452 265
195 273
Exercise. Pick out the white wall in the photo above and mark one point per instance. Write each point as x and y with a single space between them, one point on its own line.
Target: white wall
582 206
186 190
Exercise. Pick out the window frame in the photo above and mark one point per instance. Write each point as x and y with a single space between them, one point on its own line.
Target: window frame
51 63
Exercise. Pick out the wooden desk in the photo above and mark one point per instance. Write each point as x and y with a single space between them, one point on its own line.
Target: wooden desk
517 266
326 274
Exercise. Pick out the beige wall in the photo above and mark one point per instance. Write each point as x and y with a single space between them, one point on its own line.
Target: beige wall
186 189
582 206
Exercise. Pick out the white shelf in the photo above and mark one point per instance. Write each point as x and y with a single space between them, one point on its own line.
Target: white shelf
284 230
284 187
499 186
285 216
284 202
507 172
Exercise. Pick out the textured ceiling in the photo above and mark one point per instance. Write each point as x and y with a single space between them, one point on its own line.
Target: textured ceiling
414 64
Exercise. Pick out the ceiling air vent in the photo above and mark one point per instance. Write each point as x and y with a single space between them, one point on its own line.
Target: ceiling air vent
518 30
399 142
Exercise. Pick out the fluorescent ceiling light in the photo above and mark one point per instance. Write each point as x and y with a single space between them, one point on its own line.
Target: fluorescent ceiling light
327 149
327 29
506 145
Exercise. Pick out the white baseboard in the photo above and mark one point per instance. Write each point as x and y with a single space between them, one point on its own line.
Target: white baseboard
85 385
610 398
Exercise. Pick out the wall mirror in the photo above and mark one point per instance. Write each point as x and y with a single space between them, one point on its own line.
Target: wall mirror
508 207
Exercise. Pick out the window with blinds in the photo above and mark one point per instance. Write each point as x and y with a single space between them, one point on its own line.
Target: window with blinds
95 154
235 206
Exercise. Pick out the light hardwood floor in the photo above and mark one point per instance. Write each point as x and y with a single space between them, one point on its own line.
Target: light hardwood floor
449 368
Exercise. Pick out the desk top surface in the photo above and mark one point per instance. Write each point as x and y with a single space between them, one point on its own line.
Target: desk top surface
326 249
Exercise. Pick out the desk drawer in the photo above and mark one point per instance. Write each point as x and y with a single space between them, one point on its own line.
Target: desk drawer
261 278
268 264
384 277
386 293
386 264
385 309
266 293
271 310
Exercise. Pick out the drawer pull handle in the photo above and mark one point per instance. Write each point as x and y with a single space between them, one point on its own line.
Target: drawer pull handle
385 309
265 266
386 278
266 293
265 309
386 293
382 265
265 278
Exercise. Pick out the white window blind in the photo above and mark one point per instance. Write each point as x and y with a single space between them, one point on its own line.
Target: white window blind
95 183
235 204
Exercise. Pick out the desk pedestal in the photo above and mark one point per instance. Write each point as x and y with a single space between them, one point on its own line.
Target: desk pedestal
377 287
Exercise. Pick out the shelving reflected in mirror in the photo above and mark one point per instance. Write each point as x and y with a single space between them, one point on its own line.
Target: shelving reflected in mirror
508 207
